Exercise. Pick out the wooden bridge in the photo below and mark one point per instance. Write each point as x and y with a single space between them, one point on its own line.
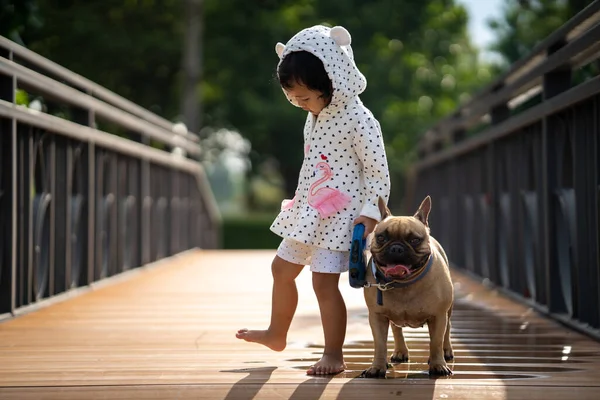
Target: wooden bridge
167 331
112 284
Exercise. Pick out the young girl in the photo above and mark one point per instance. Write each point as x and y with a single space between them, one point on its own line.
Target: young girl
343 175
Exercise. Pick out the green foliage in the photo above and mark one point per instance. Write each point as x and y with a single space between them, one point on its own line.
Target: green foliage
249 232
17 17
132 47
22 98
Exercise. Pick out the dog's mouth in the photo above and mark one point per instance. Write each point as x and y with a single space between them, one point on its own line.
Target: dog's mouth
395 270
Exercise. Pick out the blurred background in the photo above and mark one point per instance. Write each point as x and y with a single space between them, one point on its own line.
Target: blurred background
211 64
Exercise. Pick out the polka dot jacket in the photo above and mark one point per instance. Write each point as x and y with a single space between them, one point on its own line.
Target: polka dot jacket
345 170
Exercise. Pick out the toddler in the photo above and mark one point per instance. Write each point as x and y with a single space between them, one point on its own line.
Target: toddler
343 175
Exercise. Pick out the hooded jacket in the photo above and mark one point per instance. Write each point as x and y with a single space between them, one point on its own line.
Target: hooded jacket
345 170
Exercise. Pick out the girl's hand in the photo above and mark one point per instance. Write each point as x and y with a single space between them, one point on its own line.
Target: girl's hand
369 224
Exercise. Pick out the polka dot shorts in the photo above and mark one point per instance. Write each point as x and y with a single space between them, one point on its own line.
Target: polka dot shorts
320 260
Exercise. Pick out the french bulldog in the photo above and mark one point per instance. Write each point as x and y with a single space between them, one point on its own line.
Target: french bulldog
419 289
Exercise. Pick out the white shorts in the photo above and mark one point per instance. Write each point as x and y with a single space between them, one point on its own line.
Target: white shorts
320 260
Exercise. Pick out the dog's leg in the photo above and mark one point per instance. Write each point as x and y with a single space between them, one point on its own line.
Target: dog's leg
379 327
448 352
400 349
437 331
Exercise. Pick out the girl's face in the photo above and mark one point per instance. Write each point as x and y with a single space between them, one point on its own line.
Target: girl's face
308 100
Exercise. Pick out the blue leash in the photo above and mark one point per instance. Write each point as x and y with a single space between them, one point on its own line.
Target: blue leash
358 264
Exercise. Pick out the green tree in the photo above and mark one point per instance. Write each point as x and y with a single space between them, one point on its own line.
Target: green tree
132 47
17 17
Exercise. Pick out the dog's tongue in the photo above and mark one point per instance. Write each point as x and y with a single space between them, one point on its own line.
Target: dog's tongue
396 270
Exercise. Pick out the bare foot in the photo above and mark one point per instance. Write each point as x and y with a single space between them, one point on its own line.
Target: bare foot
261 337
328 365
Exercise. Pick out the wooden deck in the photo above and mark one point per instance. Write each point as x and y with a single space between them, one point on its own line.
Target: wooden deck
168 332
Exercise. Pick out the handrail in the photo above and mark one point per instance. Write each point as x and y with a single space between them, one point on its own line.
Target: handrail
32 80
551 106
98 137
91 88
573 44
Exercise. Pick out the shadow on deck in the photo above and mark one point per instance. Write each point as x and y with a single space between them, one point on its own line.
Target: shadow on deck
167 331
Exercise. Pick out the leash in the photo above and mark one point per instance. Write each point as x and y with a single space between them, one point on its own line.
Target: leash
358 268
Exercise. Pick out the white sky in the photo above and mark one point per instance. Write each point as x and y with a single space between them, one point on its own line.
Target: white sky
479 12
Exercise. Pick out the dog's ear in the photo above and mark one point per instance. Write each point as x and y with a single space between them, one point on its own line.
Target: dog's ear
383 209
422 213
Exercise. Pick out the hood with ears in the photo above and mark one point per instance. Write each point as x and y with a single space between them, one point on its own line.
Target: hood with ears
332 47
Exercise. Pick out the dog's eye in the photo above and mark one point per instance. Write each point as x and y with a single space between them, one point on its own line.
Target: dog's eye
415 241
380 239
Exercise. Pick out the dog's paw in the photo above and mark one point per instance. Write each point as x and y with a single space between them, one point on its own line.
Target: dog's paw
439 369
399 358
373 372
448 355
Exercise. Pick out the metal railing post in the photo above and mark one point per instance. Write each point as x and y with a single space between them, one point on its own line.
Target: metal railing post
87 118
554 83
8 197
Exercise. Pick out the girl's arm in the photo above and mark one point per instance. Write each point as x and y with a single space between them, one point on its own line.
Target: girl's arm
369 146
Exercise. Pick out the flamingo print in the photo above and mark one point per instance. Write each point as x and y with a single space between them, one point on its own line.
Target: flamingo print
325 200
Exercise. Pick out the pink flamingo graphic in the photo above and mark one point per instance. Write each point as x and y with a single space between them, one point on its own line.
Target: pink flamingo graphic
325 200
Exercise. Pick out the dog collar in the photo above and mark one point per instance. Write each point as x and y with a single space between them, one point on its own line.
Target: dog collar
382 283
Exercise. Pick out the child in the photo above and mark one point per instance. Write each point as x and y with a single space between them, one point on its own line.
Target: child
343 174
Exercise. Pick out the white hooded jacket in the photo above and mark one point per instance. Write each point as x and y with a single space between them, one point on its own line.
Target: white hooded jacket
345 168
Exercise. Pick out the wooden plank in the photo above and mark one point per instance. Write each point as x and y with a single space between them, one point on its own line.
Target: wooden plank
312 391
170 331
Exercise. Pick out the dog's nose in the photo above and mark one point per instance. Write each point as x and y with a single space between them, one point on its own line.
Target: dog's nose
396 249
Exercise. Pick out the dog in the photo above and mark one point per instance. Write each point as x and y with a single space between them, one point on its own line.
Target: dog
417 289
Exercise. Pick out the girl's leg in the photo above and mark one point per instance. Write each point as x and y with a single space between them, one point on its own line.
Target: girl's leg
283 306
333 318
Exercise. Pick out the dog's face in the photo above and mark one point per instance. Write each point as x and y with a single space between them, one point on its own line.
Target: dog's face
401 244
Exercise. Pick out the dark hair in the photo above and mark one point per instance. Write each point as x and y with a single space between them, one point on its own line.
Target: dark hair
307 69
